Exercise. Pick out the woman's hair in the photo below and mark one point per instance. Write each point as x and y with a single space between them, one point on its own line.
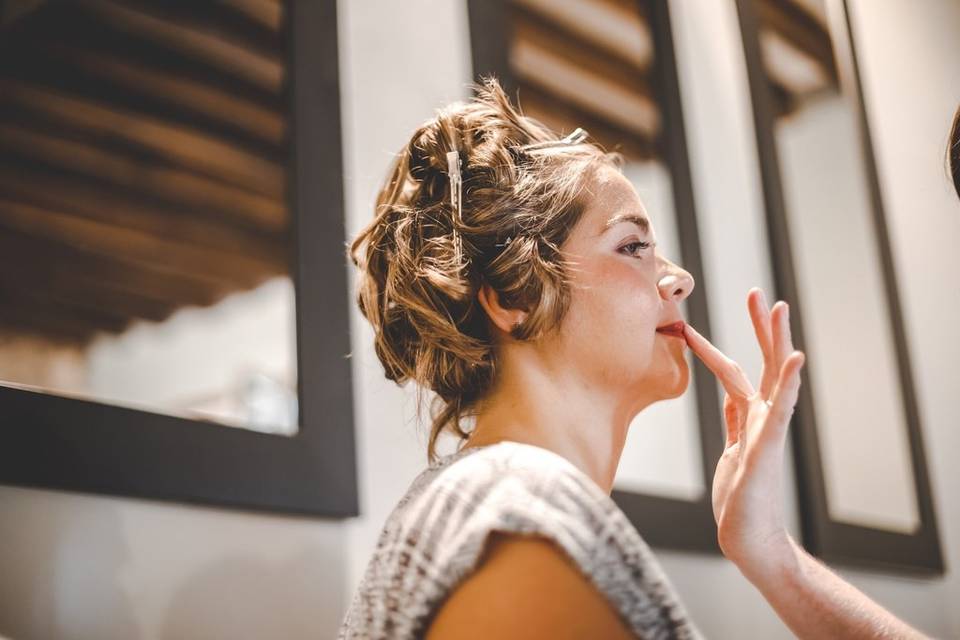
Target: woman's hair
421 268
953 151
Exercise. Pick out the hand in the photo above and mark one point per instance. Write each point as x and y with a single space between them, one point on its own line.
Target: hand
747 491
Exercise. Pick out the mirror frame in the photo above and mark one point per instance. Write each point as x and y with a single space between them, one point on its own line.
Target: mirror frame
667 523
56 442
835 541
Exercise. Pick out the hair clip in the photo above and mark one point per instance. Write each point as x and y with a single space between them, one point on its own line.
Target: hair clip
456 183
505 243
456 195
576 137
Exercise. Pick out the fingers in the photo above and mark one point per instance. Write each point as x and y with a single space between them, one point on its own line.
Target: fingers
760 315
782 342
731 415
784 398
773 333
730 374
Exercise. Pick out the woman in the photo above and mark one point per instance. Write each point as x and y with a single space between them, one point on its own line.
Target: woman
517 276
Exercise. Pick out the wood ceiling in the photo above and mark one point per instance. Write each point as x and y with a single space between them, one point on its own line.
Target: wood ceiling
142 159
797 51
588 63
143 143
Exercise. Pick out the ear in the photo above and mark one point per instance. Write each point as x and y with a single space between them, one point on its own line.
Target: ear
503 318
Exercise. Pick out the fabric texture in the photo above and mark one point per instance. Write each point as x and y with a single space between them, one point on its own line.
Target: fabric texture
435 535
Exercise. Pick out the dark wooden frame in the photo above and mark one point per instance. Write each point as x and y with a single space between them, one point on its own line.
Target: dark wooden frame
666 523
834 541
56 442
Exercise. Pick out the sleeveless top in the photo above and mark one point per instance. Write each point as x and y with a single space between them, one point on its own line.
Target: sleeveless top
436 533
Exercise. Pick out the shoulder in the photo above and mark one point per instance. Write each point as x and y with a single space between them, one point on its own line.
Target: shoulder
524 489
567 525
506 469
526 586
518 487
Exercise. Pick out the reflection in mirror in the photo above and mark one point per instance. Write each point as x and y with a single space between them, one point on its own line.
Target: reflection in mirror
589 64
846 312
144 229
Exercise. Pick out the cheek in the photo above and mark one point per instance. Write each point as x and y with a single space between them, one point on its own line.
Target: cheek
626 295
620 308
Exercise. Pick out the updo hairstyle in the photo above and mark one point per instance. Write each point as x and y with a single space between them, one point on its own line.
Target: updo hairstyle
420 268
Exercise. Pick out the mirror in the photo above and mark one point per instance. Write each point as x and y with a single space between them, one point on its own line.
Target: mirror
590 64
56 441
145 237
608 66
860 447
838 268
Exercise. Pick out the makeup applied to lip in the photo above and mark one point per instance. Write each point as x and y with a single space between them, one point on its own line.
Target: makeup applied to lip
674 330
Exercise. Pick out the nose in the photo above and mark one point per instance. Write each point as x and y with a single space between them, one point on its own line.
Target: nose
675 283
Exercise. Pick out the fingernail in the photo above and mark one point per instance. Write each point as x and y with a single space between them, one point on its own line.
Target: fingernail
763 299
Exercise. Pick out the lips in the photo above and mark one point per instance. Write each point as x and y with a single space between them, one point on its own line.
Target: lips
674 329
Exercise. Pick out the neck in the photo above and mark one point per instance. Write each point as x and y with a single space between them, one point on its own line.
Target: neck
556 409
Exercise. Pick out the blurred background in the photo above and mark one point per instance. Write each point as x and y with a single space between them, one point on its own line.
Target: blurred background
146 232
146 244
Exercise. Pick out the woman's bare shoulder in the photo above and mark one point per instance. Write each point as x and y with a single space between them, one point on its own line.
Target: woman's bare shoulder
525 586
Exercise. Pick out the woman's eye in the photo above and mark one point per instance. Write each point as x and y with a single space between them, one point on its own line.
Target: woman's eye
631 247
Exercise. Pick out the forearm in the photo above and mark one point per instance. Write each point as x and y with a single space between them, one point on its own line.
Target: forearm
814 602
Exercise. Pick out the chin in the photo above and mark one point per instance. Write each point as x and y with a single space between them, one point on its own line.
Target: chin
676 382
677 392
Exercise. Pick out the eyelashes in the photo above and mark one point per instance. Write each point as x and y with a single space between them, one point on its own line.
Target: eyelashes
635 243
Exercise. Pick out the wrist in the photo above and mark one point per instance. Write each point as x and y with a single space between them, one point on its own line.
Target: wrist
771 563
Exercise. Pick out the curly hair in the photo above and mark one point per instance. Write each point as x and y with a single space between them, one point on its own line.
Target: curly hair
421 268
953 152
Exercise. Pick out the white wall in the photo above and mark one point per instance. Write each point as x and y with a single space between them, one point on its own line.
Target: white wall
78 566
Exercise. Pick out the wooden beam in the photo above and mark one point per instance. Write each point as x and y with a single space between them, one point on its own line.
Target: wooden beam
51 191
34 304
63 284
189 148
132 245
20 251
628 109
564 117
262 122
804 32
171 185
615 27
46 326
529 27
26 52
260 68
268 13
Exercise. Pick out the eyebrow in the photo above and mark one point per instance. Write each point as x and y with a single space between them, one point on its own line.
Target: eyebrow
640 221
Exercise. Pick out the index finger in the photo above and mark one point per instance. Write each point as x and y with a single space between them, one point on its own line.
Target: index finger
730 374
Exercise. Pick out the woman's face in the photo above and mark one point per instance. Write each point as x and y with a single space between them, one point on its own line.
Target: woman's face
622 290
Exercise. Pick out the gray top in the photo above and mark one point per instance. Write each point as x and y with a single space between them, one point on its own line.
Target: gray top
436 533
